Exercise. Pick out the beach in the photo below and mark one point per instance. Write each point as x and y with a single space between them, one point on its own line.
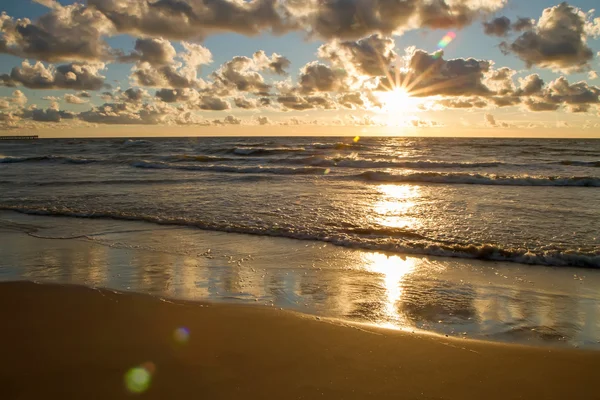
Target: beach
76 342
299 268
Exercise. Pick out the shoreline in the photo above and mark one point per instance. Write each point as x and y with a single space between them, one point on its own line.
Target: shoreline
77 342
487 301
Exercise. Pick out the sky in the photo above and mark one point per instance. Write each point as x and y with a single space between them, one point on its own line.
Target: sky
487 68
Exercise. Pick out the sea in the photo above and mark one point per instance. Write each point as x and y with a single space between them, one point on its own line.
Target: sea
505 207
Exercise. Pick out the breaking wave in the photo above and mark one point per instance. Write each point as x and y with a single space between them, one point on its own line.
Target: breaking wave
64 159
349 162
232 169
480 179
408 243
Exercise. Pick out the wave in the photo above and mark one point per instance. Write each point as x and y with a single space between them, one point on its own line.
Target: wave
480 179
595 164
243 150
64 159
335 146
350 162
136 143
233 169
359 239
187 157
261 151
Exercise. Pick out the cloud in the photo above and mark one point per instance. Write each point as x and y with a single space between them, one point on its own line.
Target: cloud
497 27
73 99
558 41
231 120
501 26
50 114
276 64
65 33
163 71
318 77
245 103
154 51
212 103
263 120
592 75
129 114
431 75
240 74
192 19
490 121
76 76
464 102
299 103
177 95
370 56
530 85
353 19
352 100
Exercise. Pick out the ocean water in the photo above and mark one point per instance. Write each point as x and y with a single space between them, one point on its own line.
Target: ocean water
525 201
494 239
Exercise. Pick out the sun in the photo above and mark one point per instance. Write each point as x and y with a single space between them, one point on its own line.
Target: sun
397 100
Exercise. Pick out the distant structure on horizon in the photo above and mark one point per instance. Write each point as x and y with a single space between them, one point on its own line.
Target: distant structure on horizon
30 137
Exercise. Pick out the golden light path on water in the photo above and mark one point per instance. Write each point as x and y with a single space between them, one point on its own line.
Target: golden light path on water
393 270
392 208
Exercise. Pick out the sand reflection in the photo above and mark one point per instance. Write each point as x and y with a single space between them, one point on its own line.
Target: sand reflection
393 271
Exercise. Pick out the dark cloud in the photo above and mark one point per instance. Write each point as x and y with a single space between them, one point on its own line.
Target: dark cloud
370 56
352 100
501 26
134 94
523 24
534 104
51 114
530 85
69 33
76 76
431 75
129 114
497 27
317 77
242 102
212 103
353 19
154 51
263 120
177 95
73 99
276 64
299 103
558 41
164 71
240 74
192 19
462 103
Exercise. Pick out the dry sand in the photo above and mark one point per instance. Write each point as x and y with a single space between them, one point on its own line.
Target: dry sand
72 342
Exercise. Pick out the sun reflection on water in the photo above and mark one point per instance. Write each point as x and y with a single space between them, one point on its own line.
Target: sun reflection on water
393 270
394 204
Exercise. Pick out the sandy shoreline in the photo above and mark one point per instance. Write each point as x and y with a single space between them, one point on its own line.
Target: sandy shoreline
74 342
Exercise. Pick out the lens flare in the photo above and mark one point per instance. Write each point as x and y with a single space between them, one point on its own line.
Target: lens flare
356 139
181 335
137 379
450 36
446 40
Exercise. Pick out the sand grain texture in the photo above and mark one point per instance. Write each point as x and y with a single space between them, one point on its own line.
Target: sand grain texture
72 342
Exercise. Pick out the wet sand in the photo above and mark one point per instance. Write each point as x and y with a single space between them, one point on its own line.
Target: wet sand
493 301
62 342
